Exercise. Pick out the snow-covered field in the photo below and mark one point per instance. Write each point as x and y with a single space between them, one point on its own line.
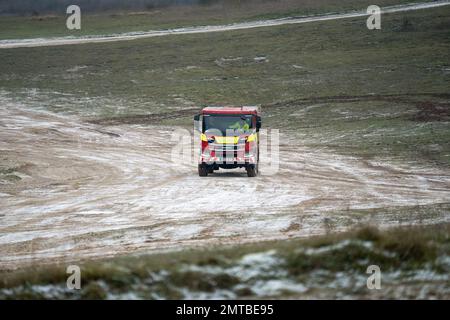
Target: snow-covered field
95 191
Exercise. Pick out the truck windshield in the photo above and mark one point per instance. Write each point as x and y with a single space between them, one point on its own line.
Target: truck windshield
231 124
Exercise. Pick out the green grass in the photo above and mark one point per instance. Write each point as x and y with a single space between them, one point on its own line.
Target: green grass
317 263
153 71
173 17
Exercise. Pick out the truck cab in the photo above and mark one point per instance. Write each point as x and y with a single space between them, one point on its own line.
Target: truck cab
229 139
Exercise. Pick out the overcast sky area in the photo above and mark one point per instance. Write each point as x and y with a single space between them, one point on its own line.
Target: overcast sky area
38 7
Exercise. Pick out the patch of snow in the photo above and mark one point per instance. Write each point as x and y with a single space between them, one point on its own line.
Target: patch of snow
276 287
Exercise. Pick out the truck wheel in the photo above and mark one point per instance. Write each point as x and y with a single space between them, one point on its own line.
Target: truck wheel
210 170
252 171
202 170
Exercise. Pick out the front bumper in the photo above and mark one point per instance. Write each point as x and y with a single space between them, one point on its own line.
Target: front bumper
247 159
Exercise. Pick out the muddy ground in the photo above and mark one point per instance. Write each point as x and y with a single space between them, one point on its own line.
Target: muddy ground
77 190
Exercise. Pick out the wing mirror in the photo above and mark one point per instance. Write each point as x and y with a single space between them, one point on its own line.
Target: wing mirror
197 123
258 122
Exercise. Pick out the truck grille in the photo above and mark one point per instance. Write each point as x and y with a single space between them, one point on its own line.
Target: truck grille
226 151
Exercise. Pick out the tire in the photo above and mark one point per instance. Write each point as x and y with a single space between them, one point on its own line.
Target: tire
252 171
202 170
211 170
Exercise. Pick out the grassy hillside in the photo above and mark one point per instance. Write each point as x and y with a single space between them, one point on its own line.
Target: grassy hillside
263 66
129 20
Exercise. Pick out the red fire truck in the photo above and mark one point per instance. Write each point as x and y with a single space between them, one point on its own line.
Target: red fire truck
229 139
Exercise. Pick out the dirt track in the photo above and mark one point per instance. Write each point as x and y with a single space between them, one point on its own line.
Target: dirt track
92 191
39 42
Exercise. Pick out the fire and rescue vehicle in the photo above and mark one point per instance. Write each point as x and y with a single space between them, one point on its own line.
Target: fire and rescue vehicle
229 139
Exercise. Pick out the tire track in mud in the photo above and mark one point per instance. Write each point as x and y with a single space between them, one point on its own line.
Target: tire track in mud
93 190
